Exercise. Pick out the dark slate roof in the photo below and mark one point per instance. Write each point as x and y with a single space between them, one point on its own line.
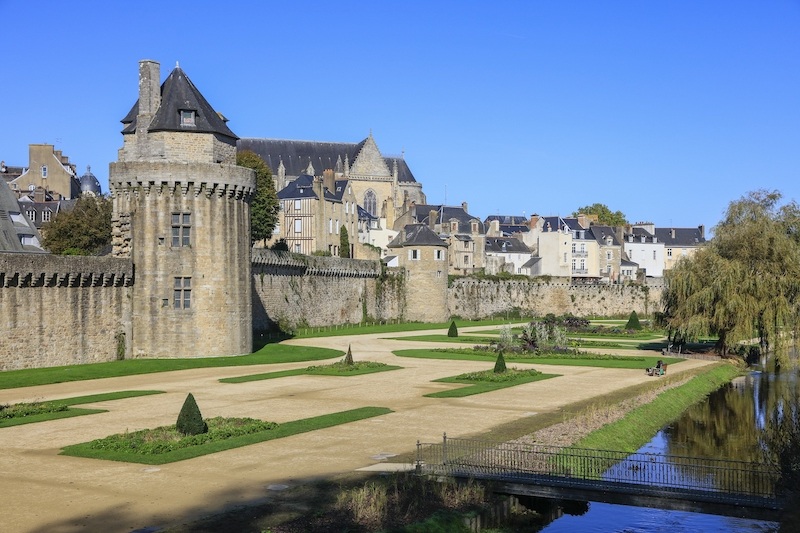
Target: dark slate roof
296 155
532 261
625 262
601 232
416 235
89 182
637 234
444 213
179 93
505 245
13 224
681 236
556 223
509 230
508 220
363 214
303 187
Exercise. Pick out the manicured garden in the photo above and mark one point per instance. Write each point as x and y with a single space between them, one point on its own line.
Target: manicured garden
340 368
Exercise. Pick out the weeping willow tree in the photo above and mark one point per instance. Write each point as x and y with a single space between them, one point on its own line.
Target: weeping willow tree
745 283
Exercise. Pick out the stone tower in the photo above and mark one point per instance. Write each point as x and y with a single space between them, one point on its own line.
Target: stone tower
182 214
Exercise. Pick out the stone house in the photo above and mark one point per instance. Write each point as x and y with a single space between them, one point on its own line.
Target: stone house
313 211
49 171
645 249
506 254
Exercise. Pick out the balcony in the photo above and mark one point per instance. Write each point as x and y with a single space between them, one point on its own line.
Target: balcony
580 254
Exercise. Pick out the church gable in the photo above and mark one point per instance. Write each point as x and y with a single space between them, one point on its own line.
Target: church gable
369 161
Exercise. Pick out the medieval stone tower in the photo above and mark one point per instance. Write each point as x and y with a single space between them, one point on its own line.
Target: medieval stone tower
182 214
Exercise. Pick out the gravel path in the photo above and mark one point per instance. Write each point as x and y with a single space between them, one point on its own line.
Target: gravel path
46 492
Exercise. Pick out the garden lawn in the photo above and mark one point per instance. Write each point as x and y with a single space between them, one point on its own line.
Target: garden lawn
337 369
462 338
487 381
269 354
359 329
57 409
583 359
286 429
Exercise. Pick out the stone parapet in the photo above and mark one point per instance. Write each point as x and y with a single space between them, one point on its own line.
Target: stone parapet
297 264
159 177
43 270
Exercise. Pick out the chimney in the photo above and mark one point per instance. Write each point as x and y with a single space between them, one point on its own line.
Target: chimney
149 92
672 233
494 228
432 214
328 180
533 222
464 207
702 229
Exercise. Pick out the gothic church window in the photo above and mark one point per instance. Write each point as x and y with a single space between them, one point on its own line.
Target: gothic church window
371 203
181 229
182 293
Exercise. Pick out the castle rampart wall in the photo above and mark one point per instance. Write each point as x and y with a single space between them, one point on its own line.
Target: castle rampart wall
58 310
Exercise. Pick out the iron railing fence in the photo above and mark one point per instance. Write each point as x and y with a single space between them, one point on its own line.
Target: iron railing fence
517 462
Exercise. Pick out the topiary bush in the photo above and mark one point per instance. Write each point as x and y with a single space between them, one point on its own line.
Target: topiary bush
190 421
500 364
633 321
453 331
348 359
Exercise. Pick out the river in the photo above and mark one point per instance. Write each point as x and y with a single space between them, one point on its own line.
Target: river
729 424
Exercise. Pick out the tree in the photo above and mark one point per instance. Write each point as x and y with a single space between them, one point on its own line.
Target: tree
84 230
190 421
603 214
633 321
348 358
452 331
344 243
745 283
500 364
264 206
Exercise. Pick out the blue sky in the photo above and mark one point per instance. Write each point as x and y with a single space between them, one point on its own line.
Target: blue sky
665 110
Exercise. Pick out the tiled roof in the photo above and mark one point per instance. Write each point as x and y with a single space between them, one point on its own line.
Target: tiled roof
505 245
683 237
444 214
179 93
416 235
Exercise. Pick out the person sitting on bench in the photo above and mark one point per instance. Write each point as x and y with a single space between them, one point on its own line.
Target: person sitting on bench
657 370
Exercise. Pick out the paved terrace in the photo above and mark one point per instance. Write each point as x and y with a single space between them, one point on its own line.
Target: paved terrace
45 492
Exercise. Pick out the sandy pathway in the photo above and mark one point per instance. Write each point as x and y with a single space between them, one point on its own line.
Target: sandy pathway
45 492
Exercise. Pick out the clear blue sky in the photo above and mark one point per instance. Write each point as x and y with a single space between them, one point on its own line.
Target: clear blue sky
664 110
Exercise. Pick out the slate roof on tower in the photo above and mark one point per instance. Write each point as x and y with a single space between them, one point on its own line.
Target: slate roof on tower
296 155
178 93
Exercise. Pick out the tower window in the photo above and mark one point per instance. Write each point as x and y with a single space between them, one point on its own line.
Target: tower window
181 229
182 293
188 117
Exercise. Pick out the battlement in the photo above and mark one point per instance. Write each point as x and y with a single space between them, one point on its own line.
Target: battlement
158 177
40 270
298 265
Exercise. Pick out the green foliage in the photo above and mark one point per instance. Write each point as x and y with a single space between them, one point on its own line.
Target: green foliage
452 331
21 410
745 282
84 230
633 322
264 206
604 215
344 243
190 421
500 364
280 245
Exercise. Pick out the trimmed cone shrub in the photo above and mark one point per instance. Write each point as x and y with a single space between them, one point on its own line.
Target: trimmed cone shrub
190 421
348 359
633 321
453 331
500 364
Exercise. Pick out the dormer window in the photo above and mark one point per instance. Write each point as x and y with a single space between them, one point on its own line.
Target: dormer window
46 214
31 215
188 117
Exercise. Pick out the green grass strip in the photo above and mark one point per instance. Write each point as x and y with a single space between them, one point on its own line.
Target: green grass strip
638 427
479 387
77 400
269 354
285 429
358 329
313 371
594 360
463 338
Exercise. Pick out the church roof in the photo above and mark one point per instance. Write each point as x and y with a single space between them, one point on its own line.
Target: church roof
178 93
296 156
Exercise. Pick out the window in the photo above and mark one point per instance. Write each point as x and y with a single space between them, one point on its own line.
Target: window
466 245
187 117
336 227
181 229
297 205
31 214
371 203
297 247
654 254
466 260
413 254
574 264
298 225
583 264
182 293
438 273
46 214
669 252
330 225
44 171
574 247
439 255
608 256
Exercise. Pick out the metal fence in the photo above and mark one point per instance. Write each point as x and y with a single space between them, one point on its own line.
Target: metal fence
714 479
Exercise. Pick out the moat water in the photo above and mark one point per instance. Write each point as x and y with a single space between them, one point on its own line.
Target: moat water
729 425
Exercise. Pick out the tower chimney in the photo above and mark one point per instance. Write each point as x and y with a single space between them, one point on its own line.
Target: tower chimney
149 92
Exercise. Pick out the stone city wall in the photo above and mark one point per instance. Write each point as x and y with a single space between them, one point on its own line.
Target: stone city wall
58 310
475 299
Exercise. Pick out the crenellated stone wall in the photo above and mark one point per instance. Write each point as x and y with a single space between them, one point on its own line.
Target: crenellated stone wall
58 310
292 290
